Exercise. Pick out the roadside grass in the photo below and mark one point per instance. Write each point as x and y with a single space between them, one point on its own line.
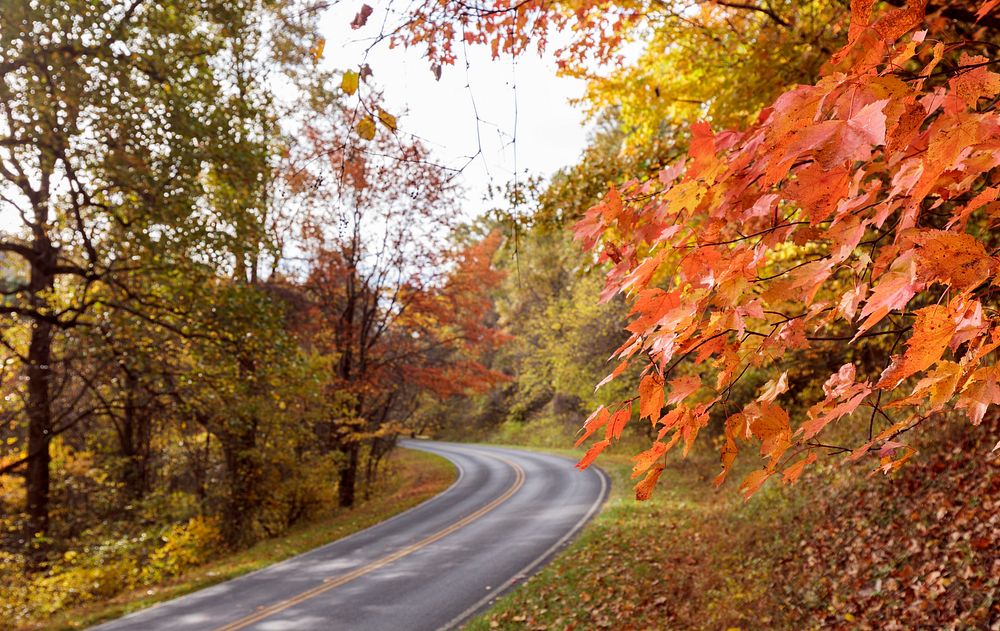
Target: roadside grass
843 549
676 561
416 477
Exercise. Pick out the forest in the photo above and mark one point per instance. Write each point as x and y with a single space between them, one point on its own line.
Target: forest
231 282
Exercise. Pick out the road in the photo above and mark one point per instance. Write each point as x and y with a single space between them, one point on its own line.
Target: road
431 567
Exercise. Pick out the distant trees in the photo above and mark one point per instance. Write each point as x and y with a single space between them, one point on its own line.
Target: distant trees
402 310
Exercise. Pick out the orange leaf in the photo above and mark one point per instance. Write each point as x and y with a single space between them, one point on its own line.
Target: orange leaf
932 330
644 489
617 423
972 85
792 473
752 483
646 459
952 258
591 454
981 391
681 387
651 397
593 423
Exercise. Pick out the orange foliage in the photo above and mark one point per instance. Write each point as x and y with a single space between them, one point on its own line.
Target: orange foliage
883 173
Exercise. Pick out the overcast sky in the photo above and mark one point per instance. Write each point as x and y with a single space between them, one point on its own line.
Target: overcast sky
549 132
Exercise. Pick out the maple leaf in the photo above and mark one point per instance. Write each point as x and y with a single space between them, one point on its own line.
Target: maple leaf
792 473
774 388
644 489
752 483
838 141
729 448
617 423
939 385
681 387
893 291
981 391
972 85
651 397
985 9
593 423
932 331
841 400
771 427
646 459
592 453
952 258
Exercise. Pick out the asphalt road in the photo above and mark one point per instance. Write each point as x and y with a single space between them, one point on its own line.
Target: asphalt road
431 567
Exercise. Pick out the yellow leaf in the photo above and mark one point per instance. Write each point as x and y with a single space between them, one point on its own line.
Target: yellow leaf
349 83
387 119
317 49
366 128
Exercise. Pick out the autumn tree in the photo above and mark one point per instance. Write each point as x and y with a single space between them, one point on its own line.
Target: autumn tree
855 211
121 125
395 305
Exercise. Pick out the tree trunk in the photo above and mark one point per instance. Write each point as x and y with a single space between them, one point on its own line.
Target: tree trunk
39 412
349 475
135 437
242 501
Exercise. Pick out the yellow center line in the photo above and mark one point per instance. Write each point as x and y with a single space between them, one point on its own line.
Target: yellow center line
333 582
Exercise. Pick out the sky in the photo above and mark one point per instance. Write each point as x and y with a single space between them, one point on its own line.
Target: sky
520 100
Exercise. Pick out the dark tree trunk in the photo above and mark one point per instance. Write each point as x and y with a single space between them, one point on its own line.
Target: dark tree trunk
39 412
135 437
348 475
243 475
39 401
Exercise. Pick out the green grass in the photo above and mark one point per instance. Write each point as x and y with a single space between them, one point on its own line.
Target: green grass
418 476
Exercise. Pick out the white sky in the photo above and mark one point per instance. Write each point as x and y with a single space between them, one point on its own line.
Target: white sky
549 132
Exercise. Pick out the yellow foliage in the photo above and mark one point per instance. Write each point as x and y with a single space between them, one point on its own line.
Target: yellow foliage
184 546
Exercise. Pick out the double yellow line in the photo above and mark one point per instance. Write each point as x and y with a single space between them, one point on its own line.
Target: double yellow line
334 582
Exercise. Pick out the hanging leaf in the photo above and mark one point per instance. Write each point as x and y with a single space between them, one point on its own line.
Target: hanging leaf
361 18
644 489
349 82
366 128
387 119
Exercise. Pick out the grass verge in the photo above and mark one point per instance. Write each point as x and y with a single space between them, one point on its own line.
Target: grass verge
651 565
841 550
417 476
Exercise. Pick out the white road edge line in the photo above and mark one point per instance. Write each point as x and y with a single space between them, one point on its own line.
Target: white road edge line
526 570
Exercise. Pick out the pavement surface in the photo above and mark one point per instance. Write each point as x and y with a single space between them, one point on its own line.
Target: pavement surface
431 567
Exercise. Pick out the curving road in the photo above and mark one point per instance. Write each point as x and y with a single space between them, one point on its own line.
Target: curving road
431 567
